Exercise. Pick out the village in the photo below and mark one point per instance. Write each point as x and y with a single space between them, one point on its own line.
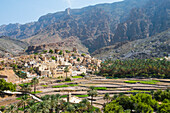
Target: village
52 64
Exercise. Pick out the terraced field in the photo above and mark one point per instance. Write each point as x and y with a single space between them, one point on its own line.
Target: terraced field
80 87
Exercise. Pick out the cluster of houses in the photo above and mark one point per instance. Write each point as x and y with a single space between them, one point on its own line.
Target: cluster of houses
53 64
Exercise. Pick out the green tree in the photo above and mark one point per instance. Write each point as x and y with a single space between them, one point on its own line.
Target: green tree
25 88
164 108
106 97
83 54
78 59
11 109
113 107
35 81
67 51
23 102
125 102
51 51
53 58
45 51
7 86
143 108
93 93
66 70
61 52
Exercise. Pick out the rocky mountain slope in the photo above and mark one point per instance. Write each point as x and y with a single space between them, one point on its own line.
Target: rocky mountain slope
10 46
94 27
155 46
66 44
144 22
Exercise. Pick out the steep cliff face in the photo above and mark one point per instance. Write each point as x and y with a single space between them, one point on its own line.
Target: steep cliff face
93 25
96 26
144 22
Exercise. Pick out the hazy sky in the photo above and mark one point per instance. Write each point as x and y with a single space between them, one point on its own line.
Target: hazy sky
23 11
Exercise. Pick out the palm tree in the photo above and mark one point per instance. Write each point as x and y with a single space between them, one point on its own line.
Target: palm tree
52 103
25 88
33 109
106 97
11 109
35 81
23 102
66 70
93 93
57 100
44 107
85 105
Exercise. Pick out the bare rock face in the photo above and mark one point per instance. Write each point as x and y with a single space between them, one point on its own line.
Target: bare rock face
152 47
10 47
66 44
96 26
144 22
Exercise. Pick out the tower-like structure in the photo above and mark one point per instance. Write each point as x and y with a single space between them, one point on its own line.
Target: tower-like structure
67 11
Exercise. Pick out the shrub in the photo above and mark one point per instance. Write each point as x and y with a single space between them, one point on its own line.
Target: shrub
83 54
68 79
61 52
2 108
67 51
83 74
78 59
51 51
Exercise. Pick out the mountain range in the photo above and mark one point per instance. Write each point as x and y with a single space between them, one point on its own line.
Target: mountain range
94 27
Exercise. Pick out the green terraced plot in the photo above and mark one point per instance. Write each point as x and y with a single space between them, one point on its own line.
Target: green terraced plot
77 77
82 96
64 96
138 91
73 85
45 85
142 82
149 82
60 86
36 92
100 88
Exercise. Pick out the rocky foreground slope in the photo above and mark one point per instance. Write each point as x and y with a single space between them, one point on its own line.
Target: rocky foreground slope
10 46
155 46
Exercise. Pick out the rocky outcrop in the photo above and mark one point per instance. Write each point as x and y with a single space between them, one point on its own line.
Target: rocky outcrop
10 47
144 22
66 44
152 47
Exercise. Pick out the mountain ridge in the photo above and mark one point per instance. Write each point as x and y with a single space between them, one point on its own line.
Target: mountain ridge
95 27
